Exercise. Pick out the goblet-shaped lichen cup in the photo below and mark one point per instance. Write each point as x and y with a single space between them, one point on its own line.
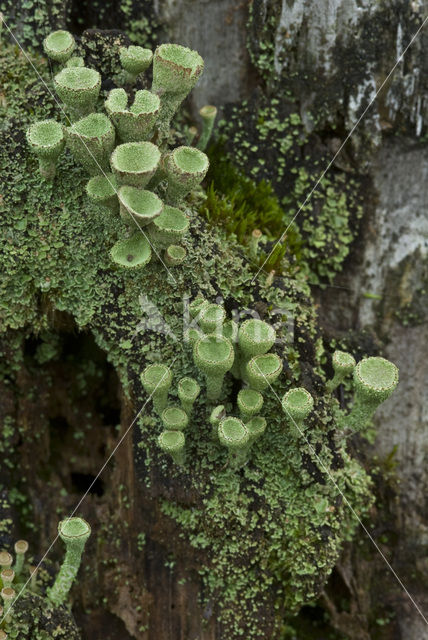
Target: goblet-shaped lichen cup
262 370
211 318
255 337
138 206
249 402
75 61
256 427
156 380
185 167
135 60
46 139
172 442
136 123
74 532
59 45
174 255
176 70
174 419
91 141
375 379
188 391
132 252
343 365
169 227
103 191
78 88
233 434
213 355
297 404
134 163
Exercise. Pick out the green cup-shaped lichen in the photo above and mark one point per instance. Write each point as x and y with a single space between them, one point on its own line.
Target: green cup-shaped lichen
196 306
213 355
176 70
156 380
46 139
255 337
211 318
185 167
78 88
59 45
135 60
172 442
103 191
188 391
136 123
374 381
262 370
174 419
249 402
256 428
74 532
169 227
134 163
21 548
216 416
138 206
75 61
297 404
133 252
343 365
174 255
233 434
91 141
208 114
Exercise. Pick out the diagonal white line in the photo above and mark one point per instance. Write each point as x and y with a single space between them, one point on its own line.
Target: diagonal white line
327 471
9 610
308 197
59 104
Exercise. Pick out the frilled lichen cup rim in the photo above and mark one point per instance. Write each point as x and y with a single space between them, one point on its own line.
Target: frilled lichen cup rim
126 191
107 180
373 379
186 392
211 339
253 329
244 396
175 155
136 52
173 215
229 428
255 368
125 109
74 528
292 395
192 65
137 244
60 33
343 360
45 124
78 73
145 151
178 440
92 119
164 377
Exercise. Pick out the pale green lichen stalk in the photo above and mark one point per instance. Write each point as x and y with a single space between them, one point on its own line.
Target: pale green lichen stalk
74 532
21 548
188 391
234 435
208 114
343 365
46 139
297 404
156 380
375 379
172 442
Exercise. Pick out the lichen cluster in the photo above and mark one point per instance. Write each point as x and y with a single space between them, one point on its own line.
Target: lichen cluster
279 512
